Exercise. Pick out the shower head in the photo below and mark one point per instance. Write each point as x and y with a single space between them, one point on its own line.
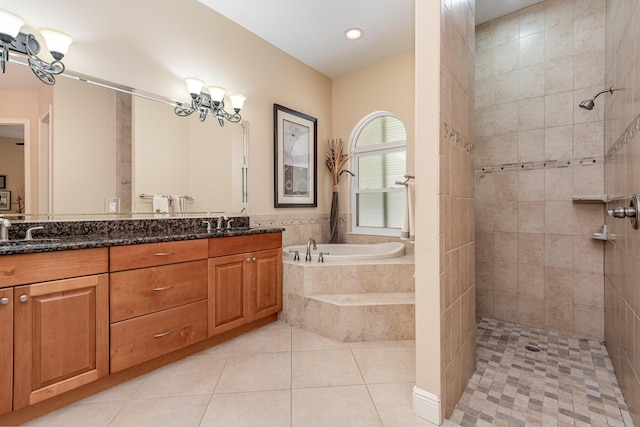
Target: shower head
588 104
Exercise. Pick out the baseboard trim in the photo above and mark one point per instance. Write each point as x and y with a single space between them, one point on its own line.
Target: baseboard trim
426 405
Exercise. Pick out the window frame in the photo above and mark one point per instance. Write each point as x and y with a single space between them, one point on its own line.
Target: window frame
378 149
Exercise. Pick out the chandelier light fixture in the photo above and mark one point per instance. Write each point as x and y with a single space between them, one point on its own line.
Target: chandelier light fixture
11 39
210 102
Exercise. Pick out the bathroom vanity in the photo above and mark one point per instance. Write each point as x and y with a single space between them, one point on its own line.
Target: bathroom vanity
77 317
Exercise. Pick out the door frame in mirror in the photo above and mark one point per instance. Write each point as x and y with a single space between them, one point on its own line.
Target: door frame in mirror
26 128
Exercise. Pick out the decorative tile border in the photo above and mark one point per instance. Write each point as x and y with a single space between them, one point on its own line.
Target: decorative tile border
454 137
548 164
292 222
626 136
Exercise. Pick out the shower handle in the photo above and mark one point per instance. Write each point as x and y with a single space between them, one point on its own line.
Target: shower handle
622 212
630 212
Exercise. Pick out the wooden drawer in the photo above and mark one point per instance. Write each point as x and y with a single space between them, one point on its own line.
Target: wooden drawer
137 340
152 254
42 267
147 290
223 246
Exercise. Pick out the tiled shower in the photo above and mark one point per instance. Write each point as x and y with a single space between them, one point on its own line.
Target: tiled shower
536 263
536 152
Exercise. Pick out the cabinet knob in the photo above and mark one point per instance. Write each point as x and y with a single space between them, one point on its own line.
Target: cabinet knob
253 259
23 298
4 301
248 259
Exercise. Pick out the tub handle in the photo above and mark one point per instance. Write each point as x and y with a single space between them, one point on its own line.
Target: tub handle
296 255
321 256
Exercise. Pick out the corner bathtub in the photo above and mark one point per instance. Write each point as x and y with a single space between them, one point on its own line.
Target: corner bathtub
348 252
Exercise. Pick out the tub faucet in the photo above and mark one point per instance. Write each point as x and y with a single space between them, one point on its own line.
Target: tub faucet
4 229
307 257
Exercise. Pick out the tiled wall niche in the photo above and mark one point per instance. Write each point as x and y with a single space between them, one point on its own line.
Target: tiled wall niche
536 263
457 284
622 179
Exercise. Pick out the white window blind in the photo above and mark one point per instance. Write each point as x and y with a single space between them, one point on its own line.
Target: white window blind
379 161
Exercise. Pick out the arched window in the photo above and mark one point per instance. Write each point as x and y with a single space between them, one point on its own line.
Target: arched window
379 150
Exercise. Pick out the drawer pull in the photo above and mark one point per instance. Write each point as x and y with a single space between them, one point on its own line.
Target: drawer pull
23 298
164 288
4 301
164 253
164 334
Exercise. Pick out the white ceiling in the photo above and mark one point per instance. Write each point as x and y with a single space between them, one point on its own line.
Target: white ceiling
313 30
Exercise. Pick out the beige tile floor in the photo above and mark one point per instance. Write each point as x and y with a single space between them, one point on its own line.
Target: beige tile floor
274 376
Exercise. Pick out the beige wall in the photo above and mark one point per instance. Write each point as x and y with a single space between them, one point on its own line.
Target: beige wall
537 264
622 179
386 86
160 152
427 394
84 149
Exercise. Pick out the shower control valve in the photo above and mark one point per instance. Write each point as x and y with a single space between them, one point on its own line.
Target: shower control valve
622 212
630 212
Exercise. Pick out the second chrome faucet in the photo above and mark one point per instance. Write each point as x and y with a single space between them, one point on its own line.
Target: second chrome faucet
311 240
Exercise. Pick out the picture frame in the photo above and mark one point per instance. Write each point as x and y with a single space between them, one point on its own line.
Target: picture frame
3 181
295 158
5 200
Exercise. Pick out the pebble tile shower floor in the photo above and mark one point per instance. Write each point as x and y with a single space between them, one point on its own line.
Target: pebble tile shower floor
569 382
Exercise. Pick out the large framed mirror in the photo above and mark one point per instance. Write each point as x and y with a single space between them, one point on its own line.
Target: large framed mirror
86 148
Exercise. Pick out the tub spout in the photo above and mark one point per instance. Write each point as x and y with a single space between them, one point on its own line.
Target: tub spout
311 240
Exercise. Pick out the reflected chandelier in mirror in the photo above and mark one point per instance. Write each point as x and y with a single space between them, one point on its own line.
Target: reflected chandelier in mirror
210 102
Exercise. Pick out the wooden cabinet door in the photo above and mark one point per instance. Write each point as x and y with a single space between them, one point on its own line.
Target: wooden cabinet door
61 337
6 350
266 283
228 292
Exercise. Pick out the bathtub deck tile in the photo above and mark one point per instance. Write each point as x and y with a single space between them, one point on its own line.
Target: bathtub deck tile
377 298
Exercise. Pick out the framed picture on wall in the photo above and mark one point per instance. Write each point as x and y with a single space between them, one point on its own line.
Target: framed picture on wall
5 200
295 154
3 181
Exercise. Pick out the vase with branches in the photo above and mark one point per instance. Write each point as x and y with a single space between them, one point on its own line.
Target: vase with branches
19 202
336 162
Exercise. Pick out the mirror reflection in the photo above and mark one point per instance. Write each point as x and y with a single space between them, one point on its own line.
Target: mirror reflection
82 149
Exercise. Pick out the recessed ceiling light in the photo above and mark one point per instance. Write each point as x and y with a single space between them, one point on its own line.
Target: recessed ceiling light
353 33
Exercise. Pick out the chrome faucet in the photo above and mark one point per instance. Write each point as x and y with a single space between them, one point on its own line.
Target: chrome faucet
220 219
311 240
28 235
4 229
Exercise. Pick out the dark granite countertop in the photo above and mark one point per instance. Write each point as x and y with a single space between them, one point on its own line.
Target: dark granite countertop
64 243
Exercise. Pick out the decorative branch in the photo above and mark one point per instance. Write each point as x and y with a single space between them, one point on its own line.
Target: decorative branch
336 160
